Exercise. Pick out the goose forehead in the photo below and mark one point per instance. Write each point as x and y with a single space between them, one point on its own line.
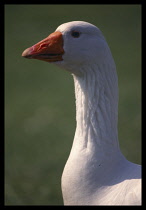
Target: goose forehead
78 25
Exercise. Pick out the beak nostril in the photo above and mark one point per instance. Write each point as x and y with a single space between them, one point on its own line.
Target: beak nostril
43 45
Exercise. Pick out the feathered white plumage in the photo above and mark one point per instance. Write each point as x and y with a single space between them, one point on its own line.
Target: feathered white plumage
96 172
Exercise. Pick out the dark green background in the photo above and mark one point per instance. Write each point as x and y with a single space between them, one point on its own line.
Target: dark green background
39 97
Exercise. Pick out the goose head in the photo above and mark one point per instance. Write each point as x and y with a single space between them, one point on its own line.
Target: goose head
72 46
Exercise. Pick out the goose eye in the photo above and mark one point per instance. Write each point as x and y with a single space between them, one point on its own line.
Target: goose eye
75 34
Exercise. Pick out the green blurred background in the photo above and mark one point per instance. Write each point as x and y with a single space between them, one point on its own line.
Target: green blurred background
39 97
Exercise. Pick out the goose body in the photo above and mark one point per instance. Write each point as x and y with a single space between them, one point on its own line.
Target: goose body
96 172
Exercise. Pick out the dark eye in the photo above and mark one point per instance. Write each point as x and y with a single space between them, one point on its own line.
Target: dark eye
75 34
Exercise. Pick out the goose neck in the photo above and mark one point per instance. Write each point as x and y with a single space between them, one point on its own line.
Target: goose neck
96 109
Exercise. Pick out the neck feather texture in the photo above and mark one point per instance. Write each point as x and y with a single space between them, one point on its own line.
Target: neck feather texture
96 95
95 154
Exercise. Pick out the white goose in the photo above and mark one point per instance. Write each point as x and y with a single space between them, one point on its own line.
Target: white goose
96 172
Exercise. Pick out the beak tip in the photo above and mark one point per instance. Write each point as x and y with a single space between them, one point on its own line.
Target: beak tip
26 53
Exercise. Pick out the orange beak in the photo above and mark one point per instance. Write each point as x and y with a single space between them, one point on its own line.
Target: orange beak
49 49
